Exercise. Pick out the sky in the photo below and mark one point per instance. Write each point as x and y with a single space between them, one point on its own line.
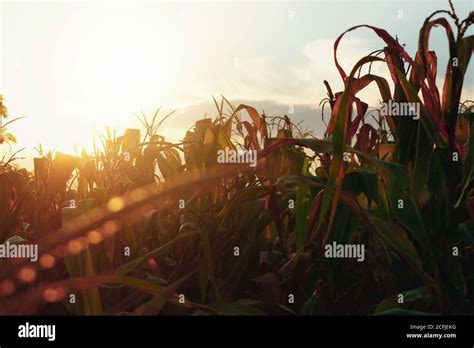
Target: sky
73 68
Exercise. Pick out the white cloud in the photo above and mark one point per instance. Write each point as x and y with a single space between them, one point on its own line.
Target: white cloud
262 78
320 66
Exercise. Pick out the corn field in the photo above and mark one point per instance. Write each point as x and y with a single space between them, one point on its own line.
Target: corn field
143 226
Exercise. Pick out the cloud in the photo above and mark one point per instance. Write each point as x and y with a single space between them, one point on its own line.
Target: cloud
320 66
273 87
267 78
